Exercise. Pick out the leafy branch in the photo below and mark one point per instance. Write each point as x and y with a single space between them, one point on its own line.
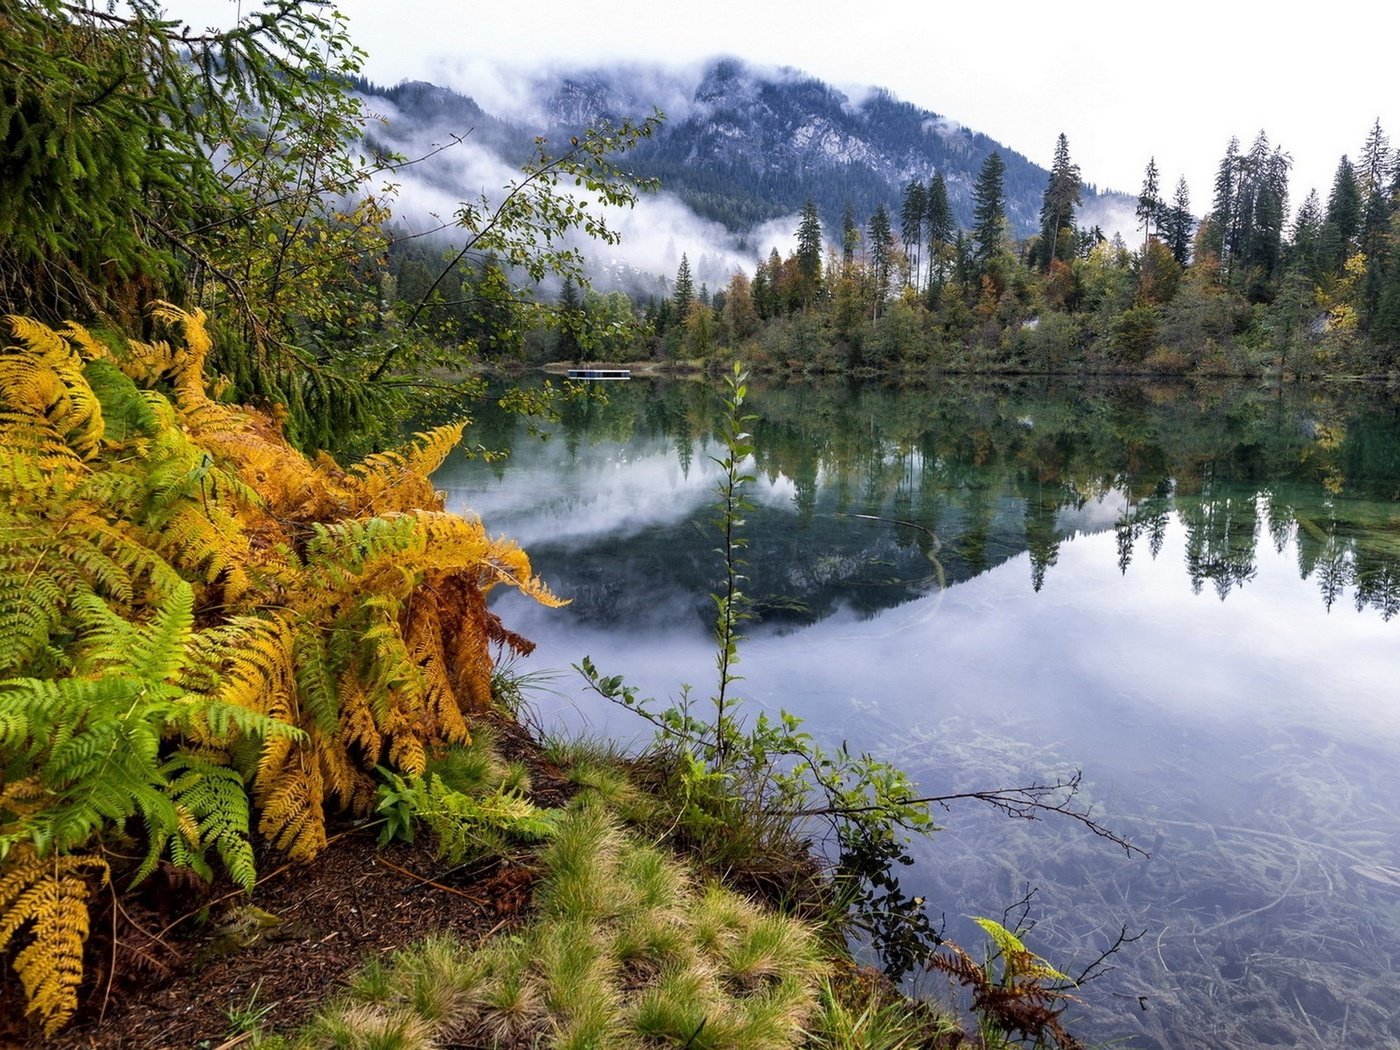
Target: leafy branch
527 226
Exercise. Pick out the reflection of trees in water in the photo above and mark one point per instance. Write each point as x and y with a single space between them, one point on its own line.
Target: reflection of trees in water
1221 534
994 470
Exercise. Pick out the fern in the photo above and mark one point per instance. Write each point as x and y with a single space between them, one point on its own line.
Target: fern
465 826
1015 992
202 631
49 896
216 800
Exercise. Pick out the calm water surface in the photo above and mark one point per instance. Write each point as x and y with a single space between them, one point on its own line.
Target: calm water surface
1190 594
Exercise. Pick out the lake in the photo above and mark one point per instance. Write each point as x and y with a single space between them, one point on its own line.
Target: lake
1189 593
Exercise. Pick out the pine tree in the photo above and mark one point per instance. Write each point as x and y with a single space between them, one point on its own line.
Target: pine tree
1375 216
911 224
1178 224
570 313
1305 250
809 253
1375 161
881 256
1057 206
989 208
684 290
1222 214
850 236
1149 206
938 219
1270 217
1343 216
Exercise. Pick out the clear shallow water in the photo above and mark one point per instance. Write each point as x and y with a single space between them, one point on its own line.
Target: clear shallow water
1188 594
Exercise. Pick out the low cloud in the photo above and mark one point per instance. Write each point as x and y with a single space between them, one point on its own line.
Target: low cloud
654 233
1112 213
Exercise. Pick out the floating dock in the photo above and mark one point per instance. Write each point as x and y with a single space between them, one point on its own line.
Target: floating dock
600 373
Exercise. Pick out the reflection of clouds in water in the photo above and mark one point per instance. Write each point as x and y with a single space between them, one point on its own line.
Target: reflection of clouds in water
620 490
1252 738
612 491
1095 516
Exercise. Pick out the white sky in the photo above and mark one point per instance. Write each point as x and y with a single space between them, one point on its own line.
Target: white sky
1123 80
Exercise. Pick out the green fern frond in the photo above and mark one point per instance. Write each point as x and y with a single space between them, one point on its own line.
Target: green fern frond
160 652
350 546
320 699
127 414
216 799
30 607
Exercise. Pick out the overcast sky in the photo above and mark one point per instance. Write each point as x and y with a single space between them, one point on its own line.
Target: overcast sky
1123 80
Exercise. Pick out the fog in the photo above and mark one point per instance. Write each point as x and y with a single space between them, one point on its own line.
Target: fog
655 232
1112 213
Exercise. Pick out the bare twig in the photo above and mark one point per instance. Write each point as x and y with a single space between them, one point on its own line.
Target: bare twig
1029 802
424 881
1098 967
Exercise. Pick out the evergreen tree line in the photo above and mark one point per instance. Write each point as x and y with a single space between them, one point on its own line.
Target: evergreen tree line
1242 290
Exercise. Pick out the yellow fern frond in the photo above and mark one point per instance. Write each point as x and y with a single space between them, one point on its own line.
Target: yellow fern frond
293 811
88 348
360 729
433 447
35 335
442 711
210 545
343 779
51 387
48 895
408 754
186 360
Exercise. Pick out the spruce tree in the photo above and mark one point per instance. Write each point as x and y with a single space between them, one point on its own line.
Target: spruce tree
911 223
1343 216
570 314
684 290
989 208
881 256
1222 216
1178 224
850 236
1149 206
1305 250
938 219
1057 206
1375 216
809 253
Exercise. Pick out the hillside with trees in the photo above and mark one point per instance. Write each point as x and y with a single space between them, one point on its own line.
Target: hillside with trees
1254 287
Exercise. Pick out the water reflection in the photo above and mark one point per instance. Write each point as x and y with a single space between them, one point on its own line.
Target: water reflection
867 496
1187 594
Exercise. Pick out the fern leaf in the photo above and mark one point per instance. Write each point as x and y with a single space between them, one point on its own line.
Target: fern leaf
216 800
433 447
49 896
320 702
159 653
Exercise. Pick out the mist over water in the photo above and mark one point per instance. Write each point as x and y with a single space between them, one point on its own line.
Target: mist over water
1189 595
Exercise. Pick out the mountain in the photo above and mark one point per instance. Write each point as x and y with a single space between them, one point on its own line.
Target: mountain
740 146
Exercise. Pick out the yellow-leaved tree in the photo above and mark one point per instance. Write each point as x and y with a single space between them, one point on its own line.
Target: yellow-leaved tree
203 632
